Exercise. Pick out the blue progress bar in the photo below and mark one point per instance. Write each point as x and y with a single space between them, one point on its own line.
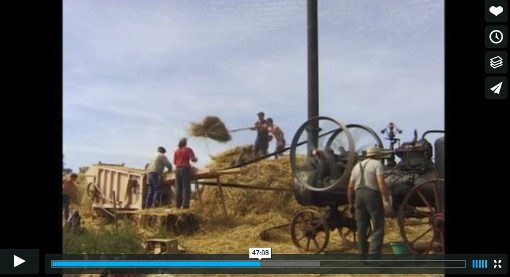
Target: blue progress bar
78 264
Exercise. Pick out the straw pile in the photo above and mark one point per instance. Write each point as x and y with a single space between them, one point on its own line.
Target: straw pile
243 202
211 127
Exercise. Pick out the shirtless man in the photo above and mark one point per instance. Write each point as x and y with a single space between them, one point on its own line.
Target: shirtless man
278 135
68 193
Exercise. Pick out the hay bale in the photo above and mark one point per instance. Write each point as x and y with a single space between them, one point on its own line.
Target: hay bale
211 127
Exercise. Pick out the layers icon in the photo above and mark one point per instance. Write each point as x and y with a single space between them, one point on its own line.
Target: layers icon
496 62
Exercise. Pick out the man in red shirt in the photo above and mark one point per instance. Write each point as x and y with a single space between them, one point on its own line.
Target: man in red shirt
182 157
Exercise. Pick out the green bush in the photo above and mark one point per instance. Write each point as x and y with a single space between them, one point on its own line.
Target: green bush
106 239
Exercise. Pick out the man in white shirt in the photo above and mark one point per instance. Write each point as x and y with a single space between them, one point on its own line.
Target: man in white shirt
366 191
154 172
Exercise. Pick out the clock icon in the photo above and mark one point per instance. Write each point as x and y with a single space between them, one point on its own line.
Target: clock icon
496 36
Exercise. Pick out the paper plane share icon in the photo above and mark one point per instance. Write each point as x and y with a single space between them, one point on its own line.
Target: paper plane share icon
497 88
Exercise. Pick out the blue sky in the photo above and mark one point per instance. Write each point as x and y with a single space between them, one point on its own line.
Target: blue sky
136 73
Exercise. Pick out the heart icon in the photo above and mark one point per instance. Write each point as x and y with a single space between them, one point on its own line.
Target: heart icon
496 10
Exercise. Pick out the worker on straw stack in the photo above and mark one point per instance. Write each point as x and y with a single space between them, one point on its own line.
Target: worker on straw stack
367 189
279 136
68 192
155 170
262 140
182 157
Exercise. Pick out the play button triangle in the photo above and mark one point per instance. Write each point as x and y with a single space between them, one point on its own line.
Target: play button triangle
18 261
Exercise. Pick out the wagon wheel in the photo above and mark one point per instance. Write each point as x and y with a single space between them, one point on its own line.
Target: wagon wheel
309 232
93 191
423 229
90 190
314 134
363 136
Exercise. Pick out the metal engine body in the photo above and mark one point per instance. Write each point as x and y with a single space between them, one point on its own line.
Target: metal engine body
415 166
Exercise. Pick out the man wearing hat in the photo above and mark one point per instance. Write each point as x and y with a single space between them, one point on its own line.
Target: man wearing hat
262 141
154 172
366 192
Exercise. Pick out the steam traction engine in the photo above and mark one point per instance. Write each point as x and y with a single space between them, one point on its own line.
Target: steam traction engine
322 155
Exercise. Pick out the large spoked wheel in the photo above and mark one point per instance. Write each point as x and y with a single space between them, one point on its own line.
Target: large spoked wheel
309 232
421 218
315 134
363 135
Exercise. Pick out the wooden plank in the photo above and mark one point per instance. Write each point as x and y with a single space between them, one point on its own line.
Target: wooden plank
170 176
200 191
202 173
199 196
222 197
231 185
128 212
110 184
158 240
115 208
104 187
118 187
227 171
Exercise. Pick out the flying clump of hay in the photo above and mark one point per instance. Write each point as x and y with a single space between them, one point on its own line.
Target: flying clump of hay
211 127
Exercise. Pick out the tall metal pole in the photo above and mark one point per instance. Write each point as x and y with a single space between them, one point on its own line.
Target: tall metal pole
313 73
